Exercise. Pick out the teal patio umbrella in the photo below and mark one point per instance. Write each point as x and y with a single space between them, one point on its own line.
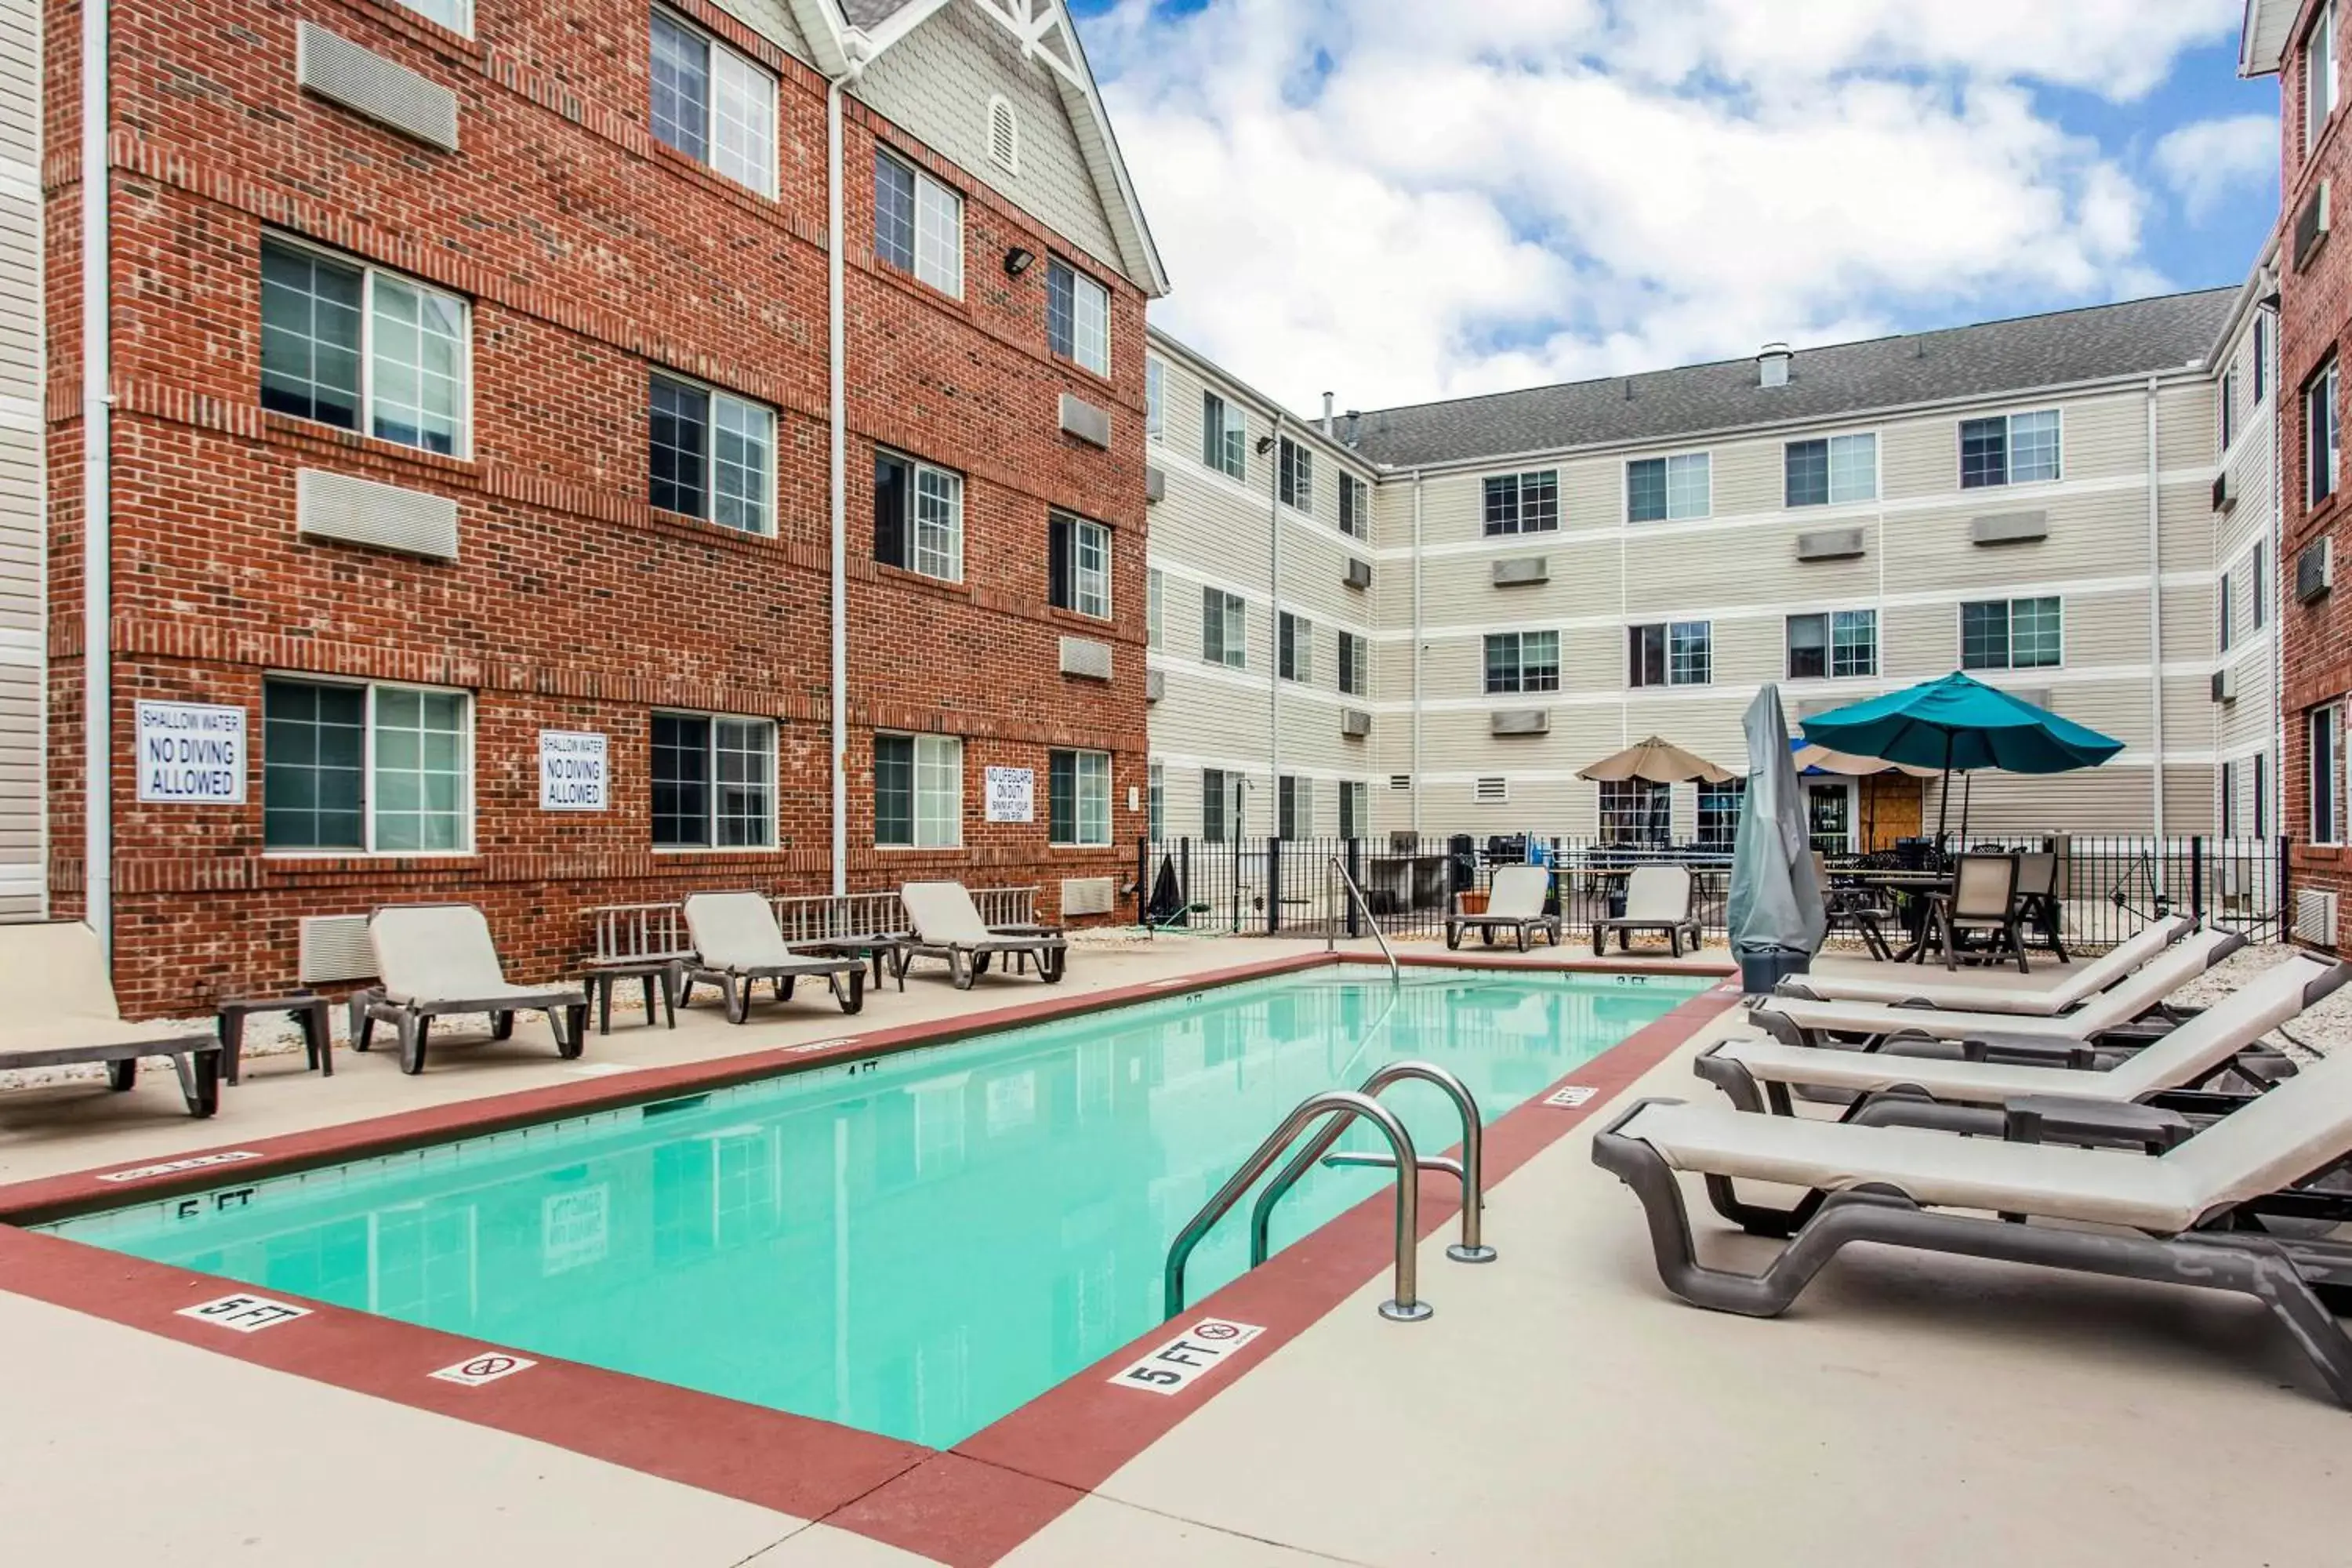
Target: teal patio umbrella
1960 724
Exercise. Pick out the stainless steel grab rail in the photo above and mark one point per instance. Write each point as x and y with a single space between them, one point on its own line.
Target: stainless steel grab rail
1342 1106
1469 1168
1332 939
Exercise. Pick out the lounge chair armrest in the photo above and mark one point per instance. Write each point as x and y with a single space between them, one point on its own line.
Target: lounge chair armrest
2032 1050
2064 1119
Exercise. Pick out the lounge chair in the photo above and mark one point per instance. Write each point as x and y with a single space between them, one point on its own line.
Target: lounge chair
1658 898
66 1014
737 944
1801 1022
1959 1095
947 925
437 959
2047 1001
1515 903
2164 1217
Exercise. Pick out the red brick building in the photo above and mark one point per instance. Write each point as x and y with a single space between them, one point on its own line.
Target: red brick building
470 393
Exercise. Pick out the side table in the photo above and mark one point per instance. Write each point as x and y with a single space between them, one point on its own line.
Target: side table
600 979
307 1008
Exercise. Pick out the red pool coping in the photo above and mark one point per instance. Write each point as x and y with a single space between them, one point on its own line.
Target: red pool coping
966 1507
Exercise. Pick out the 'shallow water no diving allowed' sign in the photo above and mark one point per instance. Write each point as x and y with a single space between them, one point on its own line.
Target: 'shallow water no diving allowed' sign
191 754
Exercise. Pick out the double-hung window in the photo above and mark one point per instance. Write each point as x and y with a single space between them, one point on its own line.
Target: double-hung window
1155 821
918 517
2012 634
1077 804
2319 78
1355 808
918 224
2258 584
1718 813
1839 643
1355 507
369 768
2229 407
1077 318
1296 474
1523 503
1225 628
1224 437
362 349
2222 627
1351 665
2009 449
714 781
1155 399
1831 471
1215 811
711 456
1522 661
1295 647
1293 808
2262 356
1670 653
2321 435
1078 561
1669 489
1155 634
917 792
712 105
458 15
2327 761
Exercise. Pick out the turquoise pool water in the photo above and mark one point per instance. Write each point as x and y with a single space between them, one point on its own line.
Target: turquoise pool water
914 1245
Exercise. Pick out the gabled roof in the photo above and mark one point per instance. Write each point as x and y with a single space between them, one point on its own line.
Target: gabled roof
2143 337
2262 40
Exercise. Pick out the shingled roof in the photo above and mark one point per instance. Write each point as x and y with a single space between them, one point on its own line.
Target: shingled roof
2136 338
866 13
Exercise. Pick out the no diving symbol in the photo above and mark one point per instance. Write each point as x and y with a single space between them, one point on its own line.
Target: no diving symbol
1213 1330
484 1366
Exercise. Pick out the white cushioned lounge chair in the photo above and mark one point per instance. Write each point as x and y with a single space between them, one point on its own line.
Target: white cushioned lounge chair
66 1014
2080 983
1658 898
433 960
1514 905
737 944
947 924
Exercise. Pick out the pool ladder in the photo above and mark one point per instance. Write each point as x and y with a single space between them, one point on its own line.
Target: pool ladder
1331 936
1339 1109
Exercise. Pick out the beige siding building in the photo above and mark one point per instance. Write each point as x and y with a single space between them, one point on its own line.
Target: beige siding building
22 622
1558 572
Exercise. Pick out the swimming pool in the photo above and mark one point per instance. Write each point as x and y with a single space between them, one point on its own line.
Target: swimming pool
914 1245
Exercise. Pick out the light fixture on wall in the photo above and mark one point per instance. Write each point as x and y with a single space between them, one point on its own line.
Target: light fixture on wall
1264 445
1019 260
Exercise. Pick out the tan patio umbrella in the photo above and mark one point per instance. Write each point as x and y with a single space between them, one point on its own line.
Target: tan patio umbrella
1657 762
1821 759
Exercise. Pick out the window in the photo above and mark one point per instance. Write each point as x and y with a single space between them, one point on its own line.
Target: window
2261 794
1155 398
1155 800
918 517
2319 78
1840 643
1355 808
1668 489
712 456
1671 653
362 349
1351 665
2229 819
2010 634
1077 317
1635 811
454 15
2229 407
2320 434
1215 783
1295 647
1832 472
1154 635
714 781
1077 805
1523 503
918 224
371 769
1224 435
1080 564
713 105
1004 136
2262 356
1718 813
2012 450
1294 800
1355 507
1522 661
1225 628
2222 604
2258 580
917 792
1297 475
2326 762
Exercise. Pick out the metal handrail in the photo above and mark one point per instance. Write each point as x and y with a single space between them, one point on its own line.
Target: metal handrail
1469 1168
1330 939
1344 1107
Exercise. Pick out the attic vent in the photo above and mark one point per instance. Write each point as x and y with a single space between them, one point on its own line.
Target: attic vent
1004 136
1490 791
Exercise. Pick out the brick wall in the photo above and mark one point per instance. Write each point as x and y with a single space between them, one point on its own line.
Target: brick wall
591 255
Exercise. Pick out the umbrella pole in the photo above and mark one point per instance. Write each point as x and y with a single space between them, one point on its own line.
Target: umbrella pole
1968 793
1944 793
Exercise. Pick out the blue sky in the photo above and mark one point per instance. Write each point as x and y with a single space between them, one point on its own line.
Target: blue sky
1400 201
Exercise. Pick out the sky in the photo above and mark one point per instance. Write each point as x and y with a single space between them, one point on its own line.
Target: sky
1400 200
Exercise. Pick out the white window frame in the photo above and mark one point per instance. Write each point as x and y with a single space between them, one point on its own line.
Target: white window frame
943 489
927 750
1877 470
2328 378
1155 593
1155 800
1295 475
719 395
2008 480
1960 636
1359 647
464 24
732 71
1090 338
1090 592
2333 770
2321 80
1355 506
1232 426
1707 507
1291 793
1155 398
1295 634
1078 803
938 258
367 770
776 783
1232 630
462 447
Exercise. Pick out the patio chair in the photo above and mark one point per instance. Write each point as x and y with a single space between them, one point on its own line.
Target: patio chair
947 925
1981 904
433 960
1857 910
2190 1215
1514 904
737 944
2126 956
1801 1022
2037 900
1969 1095
66 1014
1657 899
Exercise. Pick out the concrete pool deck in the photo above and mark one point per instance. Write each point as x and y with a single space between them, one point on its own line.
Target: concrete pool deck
1559 1406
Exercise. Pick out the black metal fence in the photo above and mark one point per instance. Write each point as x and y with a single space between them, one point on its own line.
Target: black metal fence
2108 886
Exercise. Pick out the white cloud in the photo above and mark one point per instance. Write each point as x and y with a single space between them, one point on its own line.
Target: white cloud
1403 201
2203 162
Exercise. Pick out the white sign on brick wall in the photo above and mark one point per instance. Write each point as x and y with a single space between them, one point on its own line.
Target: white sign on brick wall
191 754
1011 794
572 772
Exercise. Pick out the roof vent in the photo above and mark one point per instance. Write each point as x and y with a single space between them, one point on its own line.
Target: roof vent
1772 365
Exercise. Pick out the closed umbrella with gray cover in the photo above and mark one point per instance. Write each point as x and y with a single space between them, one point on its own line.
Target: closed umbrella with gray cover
1776 915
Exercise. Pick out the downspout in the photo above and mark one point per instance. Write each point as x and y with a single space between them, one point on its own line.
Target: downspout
1416 653
1274 582
2273 805
98 518
837 413
2155 612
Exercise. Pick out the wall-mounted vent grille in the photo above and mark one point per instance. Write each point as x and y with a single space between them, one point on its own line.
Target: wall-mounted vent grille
2225 494
1084 657
2311 225
1490 791
2225 686
2315 918
332 948
1155 485
1155 684
2315 570
1355 721
1360 574
1830 544
365 81
1521 570
361 511
1084 420
1522 721
2040 696
1400 781
1086 896
1004 136
2009 528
